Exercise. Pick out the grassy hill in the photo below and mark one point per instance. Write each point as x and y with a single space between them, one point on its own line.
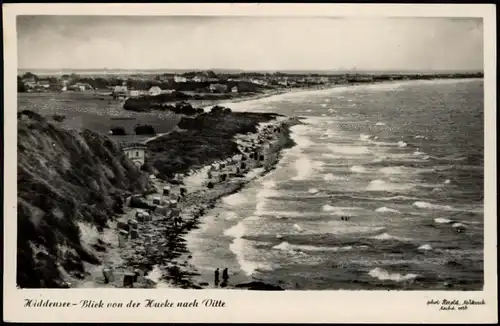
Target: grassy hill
206 138
69 182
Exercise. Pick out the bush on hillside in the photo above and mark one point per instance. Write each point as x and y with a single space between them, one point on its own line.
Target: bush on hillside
144 130
217 110
58 117
118 131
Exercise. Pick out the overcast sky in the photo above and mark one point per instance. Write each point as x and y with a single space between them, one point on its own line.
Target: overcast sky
260 43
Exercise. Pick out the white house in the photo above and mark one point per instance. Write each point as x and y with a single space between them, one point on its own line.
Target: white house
180 79
200 78
120 91
155 90
218 88
136 153
259 82
234 89
43 83
134 93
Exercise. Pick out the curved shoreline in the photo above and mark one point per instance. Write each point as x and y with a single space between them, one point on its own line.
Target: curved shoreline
283 91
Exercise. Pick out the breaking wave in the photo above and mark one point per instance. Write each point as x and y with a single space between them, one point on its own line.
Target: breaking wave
442 220
384 275
387 236
357 169
386 210
426 205
304 167
349 150
290 247
381 185
332 177
425 247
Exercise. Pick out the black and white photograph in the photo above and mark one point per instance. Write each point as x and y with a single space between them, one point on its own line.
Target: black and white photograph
250 153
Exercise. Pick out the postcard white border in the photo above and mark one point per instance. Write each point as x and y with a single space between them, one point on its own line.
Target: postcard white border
252 306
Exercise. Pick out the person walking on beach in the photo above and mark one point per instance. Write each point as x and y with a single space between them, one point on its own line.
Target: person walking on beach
216 274
225 277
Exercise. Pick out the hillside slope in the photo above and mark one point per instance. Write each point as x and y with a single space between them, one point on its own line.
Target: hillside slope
67 182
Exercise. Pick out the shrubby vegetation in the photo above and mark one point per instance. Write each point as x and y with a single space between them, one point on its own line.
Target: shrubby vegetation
58 117
144 130
65 178
152 103
118 131
149 103
207 137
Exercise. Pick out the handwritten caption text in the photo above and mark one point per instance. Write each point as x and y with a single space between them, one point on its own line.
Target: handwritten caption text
448 305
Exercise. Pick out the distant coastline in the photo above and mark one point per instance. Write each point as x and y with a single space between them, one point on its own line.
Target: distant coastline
101 71
207 104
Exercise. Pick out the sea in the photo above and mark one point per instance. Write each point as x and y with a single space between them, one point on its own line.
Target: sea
383 190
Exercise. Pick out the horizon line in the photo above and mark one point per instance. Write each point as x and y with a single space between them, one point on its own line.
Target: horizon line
249 70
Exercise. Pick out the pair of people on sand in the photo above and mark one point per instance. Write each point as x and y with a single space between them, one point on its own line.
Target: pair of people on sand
177 220
225 277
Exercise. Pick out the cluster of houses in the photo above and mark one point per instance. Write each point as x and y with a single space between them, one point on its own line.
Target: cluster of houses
124 92
120 85
31 83
222 88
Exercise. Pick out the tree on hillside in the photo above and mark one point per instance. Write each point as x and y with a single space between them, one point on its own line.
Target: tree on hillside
189 74
20 85
29 75
220 110
211 74
52 80
217 110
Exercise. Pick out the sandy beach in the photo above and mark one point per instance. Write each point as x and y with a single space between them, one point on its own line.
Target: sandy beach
154 252
268 93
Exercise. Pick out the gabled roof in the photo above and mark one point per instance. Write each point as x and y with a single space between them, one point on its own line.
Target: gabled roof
133 146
